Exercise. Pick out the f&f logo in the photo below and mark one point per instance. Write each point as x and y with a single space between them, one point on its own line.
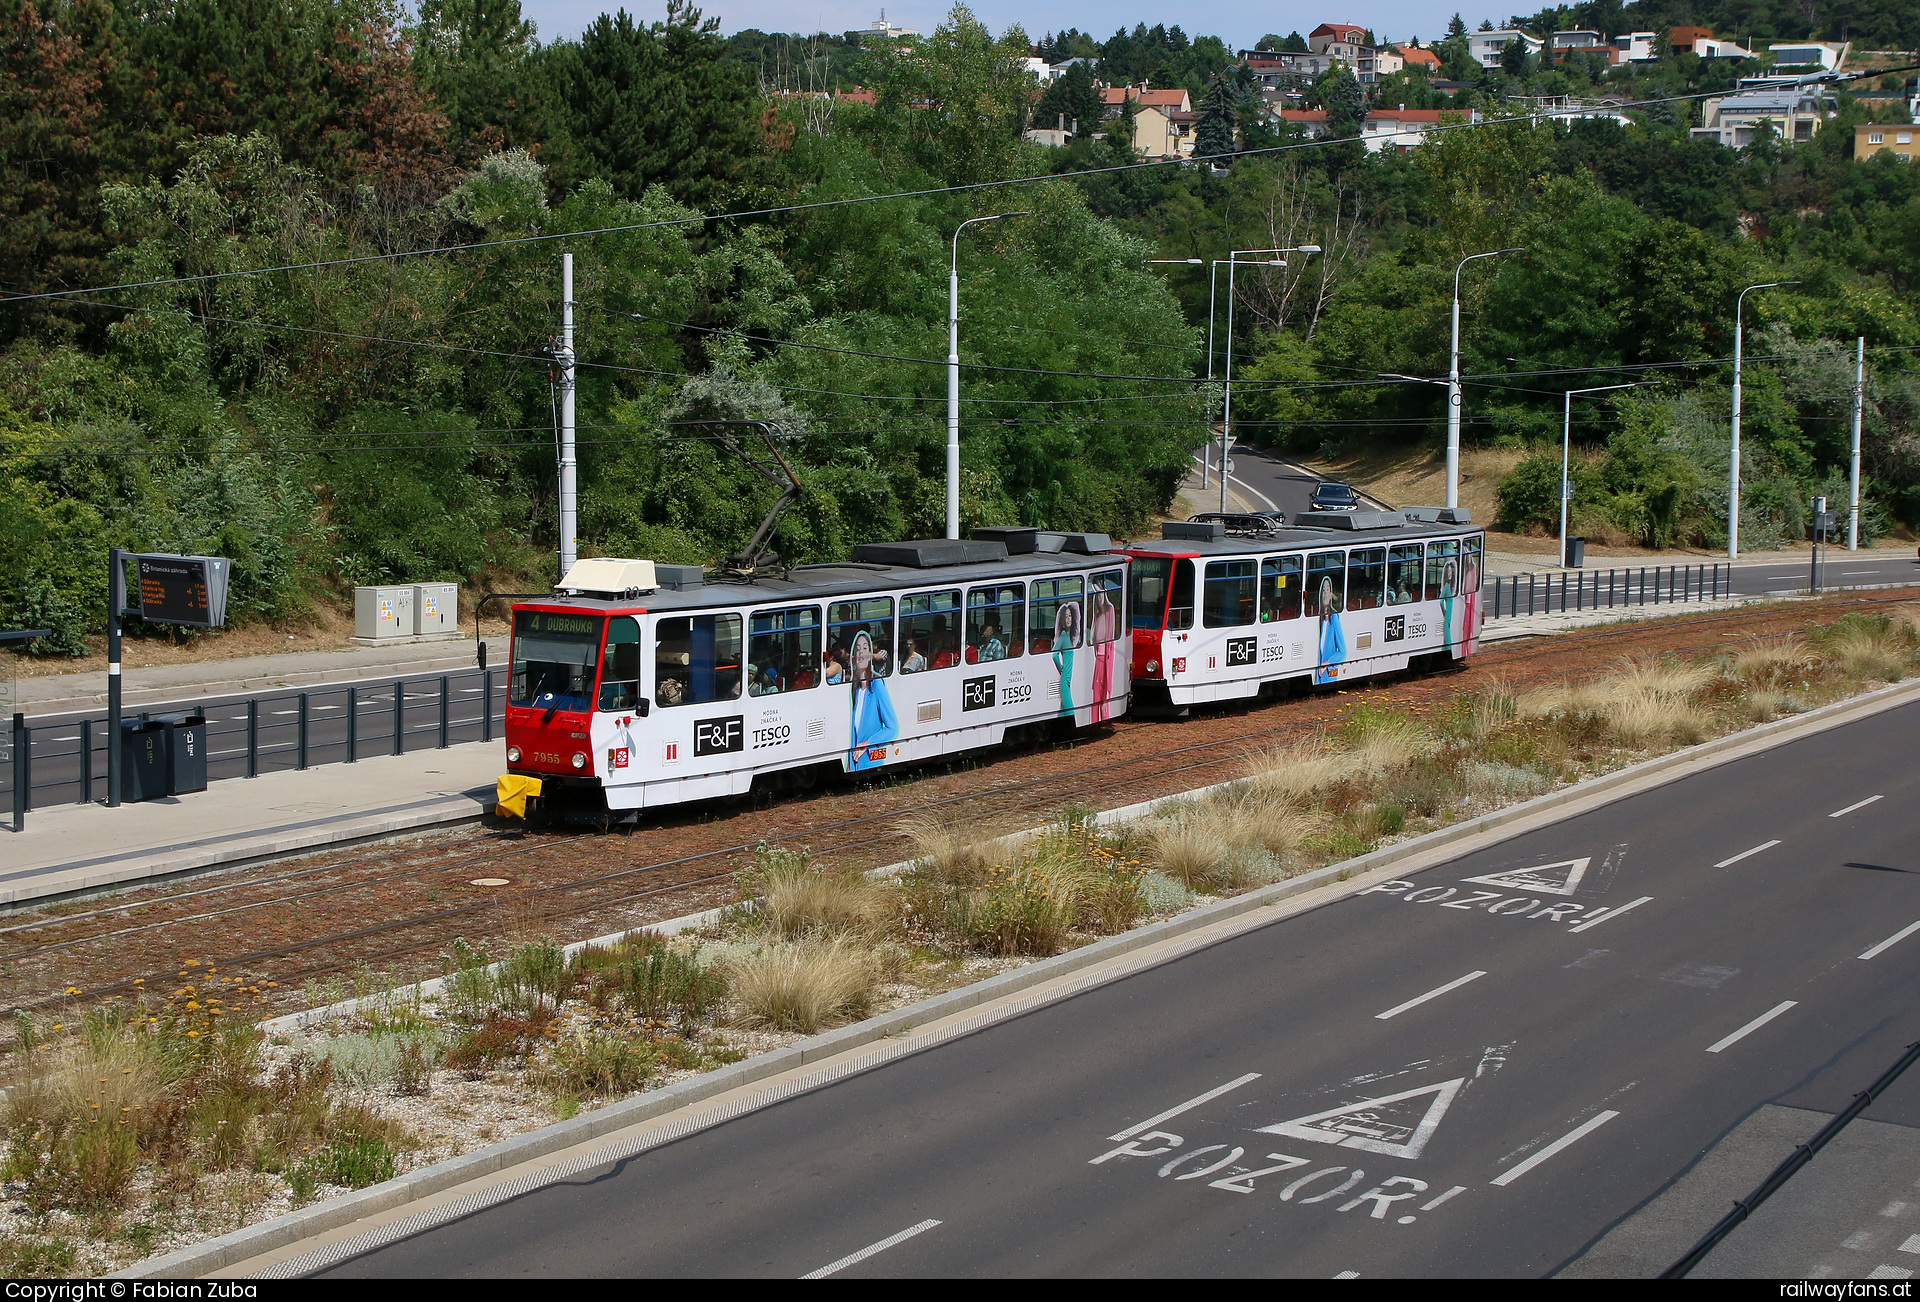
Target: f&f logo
1396 627
1242 651
977 693
719 736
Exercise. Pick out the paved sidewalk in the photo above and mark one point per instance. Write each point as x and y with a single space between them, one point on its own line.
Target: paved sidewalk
70 848
59 693
1543 625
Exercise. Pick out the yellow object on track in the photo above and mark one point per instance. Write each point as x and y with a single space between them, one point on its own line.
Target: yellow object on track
511 792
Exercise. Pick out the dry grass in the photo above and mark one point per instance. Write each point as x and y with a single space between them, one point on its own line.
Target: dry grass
803 985
947 853
799 898
1768 661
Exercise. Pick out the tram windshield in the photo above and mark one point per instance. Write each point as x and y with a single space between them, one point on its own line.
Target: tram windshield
1149 597
555 656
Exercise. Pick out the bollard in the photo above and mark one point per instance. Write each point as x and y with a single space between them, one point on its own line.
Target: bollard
399 718
486 687
445 701
86 762
300 744
22 771
253 738
353 724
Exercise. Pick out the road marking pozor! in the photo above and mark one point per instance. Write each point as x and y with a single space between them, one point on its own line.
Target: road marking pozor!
853 1258
1573 1136
1893 940
1752 1026
1417 1000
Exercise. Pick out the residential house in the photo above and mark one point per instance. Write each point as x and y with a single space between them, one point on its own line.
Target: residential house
1635 47
1155 132
1413 56
1825 55
1796 115
1282 69
1312 122
1403 128
1884 138
1381 62
1577 38
1327 35
885 30
859 95
1702 41
1488 46
1344 44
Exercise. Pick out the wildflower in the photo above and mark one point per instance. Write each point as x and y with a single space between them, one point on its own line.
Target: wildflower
73 990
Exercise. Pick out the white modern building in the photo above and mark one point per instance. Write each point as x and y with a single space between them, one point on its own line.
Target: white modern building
1733 120
1826 55
1488 46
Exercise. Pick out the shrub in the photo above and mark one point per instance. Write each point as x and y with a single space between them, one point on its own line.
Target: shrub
497 1040
655 983
470 987
801 986
1016 911
585 1064
37 1258
535 978
355 1163
1161 894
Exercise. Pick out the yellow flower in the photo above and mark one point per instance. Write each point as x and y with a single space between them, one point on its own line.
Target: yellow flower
191 1035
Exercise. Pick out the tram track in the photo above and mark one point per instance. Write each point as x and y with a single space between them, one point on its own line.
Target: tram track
1061 786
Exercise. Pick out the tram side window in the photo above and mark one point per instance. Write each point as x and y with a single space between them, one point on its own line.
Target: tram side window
1054 614
1326 592
555 658
696 659
1150 590
1403 574
783 651
929 631
996 619
1229 599
852 625
1366 578
1105 614
1279 588
1180 603
1469 565
1443 569
620 677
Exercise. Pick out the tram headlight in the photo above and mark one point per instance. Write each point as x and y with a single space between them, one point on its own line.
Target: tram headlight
1153 669
579 759
513 754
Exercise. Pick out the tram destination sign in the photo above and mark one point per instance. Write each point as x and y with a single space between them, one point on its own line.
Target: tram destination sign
188 590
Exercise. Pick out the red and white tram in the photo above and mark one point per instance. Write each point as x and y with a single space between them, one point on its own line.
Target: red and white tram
637 686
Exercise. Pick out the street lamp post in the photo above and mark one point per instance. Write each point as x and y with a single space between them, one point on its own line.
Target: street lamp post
1206 467
1733 470
1566 450
1226 415
953 372
1453 381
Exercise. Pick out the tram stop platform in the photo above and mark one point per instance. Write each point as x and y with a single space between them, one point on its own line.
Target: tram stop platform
81 849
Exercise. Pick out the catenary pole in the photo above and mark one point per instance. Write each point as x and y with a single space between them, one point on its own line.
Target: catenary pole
953 372
1853 472
569 466
1733 468
1453 381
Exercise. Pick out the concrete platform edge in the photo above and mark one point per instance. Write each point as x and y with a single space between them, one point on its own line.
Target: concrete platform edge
251 1241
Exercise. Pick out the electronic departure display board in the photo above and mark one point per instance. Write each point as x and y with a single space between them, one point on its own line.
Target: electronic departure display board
179 589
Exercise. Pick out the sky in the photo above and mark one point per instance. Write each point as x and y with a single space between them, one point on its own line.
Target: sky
1238 22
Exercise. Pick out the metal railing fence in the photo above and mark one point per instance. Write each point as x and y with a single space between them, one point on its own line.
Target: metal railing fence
1561 591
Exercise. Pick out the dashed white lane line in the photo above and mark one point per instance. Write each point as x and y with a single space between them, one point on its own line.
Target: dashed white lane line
1417 1000
1173 1112
1599 918
1893 940
1753 1026
1861 804
1728 863
854 1258
1573 1136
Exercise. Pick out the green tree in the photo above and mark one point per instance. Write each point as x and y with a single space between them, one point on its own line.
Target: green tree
1213 135
1071 97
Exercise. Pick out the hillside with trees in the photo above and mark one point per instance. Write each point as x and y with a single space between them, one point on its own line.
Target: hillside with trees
373 400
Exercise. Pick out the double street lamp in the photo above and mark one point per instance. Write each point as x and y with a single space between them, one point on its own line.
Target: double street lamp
953 372
1733 472
1226 415
1453 381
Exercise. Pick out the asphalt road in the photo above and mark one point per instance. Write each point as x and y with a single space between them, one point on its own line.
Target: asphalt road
1447 1077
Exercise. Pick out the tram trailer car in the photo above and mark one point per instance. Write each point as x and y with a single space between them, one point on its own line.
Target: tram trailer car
638 686
626 693
1220 614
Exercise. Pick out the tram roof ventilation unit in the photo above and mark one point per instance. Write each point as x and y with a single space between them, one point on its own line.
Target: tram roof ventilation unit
1080 544
1020 540
1438 515
1352 519
1194 531
610 576
930 553
680 578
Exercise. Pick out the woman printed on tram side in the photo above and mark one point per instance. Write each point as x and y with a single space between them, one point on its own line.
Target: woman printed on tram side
874 723
1449 585
1469 602
1103 624
1333 638
1066 637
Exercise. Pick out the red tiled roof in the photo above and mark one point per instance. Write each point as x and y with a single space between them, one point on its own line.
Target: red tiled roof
1148 98
1341 31
863 96
1304 115
1408 115
1414 54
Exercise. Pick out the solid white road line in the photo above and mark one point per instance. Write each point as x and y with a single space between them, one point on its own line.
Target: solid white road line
1171 1113
1753 1026
1893 940
1599 918
1838 813
1417 1000
853 1258
1571 1137
1728 863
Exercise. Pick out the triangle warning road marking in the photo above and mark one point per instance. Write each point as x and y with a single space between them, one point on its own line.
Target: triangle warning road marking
1547 878
1393 1124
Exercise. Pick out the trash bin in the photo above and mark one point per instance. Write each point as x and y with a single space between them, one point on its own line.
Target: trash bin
143 759
1576 553
186 752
